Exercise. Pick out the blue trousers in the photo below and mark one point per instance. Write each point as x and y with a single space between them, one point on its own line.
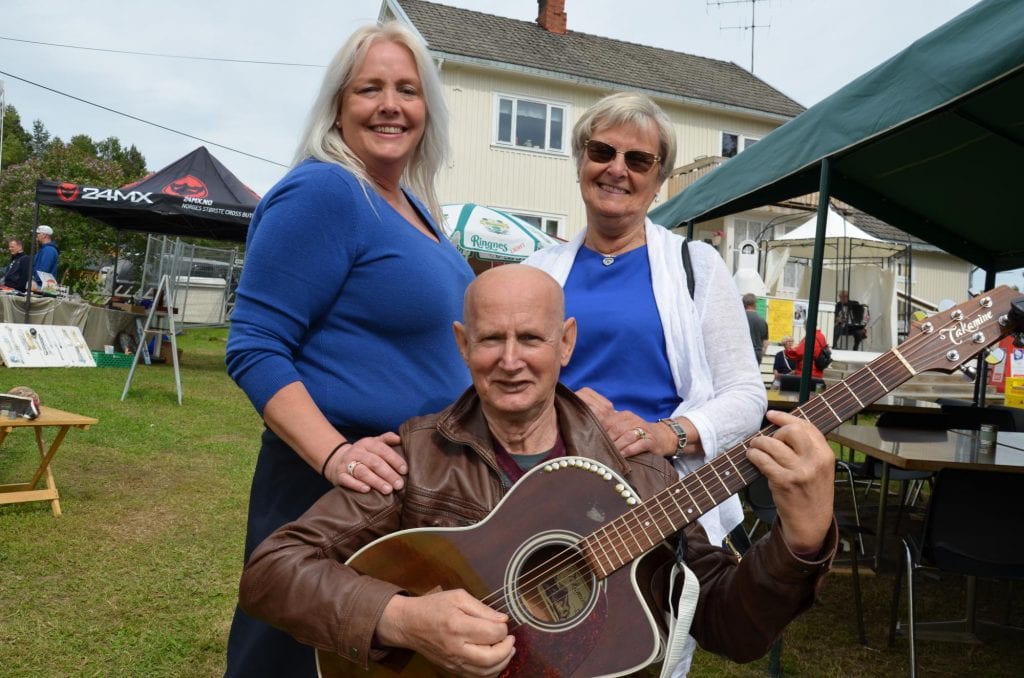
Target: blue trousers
283 487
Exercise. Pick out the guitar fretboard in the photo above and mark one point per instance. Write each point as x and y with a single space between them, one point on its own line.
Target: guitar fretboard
640 529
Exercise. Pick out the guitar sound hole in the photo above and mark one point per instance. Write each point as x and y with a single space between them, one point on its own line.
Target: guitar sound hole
553 586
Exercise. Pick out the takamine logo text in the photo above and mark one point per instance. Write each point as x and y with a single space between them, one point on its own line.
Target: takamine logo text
957 333
68 192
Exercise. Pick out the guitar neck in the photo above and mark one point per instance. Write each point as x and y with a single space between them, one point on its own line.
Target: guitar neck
640 529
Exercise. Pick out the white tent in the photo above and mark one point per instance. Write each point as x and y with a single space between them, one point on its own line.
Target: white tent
843 241
852 260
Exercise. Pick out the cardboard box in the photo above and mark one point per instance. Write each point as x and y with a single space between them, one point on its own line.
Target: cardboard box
130 308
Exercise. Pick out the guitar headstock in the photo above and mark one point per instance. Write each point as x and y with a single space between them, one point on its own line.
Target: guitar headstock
950 338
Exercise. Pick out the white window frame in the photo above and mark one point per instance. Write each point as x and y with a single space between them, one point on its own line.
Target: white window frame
545 219
737 238
742 142
792 269
545 146
901 266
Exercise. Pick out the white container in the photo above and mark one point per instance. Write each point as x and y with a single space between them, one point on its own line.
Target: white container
199 300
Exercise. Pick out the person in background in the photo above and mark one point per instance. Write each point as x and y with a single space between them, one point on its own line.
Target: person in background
664 372
851 317
48 256
17 271
758 326
783 365
338 347
795 355
463 460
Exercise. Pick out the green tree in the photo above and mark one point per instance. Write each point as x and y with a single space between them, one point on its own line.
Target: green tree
130 159
40 138
83 143
17 141
84 243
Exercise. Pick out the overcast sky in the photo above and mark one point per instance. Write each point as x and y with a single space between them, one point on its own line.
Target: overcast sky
805 48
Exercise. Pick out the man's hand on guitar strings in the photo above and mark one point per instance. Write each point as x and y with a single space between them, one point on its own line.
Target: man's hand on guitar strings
800 468
451 629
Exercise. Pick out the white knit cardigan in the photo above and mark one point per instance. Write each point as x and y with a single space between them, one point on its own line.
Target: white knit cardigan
709 350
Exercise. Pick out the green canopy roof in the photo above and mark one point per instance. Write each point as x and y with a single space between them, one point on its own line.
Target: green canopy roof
931 141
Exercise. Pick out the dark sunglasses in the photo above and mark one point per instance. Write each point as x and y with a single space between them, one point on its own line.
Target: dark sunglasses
638 161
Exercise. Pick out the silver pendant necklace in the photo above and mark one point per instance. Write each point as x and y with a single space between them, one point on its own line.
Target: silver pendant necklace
608 259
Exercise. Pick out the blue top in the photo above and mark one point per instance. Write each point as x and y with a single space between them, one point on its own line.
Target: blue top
46 260
620 346
340 292
782 365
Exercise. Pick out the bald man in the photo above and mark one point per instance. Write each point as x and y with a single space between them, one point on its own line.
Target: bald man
465 459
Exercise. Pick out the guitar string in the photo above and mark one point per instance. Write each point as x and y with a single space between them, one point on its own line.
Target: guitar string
887 366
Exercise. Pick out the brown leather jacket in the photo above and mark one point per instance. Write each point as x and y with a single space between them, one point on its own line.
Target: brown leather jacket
295 579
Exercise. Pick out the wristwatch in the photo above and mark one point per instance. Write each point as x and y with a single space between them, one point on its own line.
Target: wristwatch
680 434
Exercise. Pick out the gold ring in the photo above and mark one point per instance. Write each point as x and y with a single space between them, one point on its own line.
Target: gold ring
639 433
351 467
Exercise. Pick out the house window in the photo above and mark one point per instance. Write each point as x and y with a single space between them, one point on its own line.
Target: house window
733 144
902 269
553 226
526 123
744 229
793 272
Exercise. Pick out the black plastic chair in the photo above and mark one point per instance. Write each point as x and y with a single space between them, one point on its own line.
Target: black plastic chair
964 414
970 529
871 469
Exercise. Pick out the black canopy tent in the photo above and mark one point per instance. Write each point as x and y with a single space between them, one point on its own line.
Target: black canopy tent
195 196
931 141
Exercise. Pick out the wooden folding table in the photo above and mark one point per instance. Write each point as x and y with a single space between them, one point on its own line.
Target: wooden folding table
27 491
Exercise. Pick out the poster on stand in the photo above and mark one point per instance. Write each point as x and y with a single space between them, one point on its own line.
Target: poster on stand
24 345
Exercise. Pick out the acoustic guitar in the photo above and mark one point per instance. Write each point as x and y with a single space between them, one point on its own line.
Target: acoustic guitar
560 552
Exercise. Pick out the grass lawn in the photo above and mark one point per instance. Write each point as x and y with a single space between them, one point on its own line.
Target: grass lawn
139 575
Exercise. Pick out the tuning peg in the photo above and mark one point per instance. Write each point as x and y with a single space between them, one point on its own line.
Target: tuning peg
970 372
994 356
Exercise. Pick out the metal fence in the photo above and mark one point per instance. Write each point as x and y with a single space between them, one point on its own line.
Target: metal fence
201 280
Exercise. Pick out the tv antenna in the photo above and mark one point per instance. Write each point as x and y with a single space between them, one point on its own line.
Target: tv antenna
752 26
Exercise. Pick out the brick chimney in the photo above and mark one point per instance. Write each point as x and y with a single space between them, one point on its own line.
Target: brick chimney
551 15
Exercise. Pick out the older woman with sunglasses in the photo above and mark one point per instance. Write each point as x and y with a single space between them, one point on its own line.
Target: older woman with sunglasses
666 373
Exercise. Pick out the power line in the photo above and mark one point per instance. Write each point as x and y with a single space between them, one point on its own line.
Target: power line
147 122
164 56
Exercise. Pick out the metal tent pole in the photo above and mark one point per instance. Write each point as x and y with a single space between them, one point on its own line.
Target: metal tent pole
817 264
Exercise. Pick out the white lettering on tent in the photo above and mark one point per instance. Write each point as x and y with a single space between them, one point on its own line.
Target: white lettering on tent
115 195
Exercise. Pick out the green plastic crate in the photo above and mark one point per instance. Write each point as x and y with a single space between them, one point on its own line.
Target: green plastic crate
112 359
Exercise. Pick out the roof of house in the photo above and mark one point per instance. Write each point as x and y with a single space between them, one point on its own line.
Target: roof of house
462 32
881 229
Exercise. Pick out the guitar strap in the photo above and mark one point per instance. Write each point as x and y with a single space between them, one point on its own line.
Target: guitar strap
679 646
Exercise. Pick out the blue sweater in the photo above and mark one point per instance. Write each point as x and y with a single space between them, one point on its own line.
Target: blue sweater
343 294
46 260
